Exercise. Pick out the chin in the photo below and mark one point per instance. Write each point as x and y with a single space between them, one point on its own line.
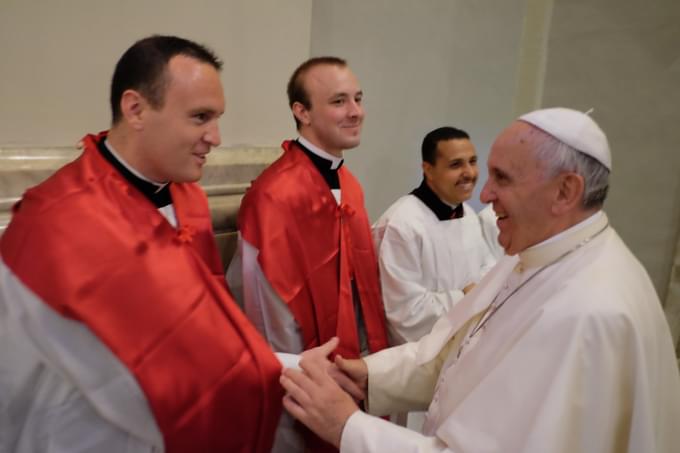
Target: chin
350 145
193 177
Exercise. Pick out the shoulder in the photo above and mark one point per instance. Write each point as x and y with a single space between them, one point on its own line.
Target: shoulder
407 210
606 285
348 177
405 217
471 216
469 211
487 214
288 174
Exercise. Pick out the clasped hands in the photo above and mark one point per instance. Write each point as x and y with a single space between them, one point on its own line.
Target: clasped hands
324 394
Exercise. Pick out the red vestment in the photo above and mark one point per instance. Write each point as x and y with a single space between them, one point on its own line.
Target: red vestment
96 250
310 248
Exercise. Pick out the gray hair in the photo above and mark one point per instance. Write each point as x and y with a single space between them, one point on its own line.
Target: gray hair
559 157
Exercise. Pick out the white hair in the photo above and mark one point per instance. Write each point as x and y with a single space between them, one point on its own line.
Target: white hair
559 157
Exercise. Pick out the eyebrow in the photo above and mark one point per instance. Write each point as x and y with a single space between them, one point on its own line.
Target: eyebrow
346 94
208 110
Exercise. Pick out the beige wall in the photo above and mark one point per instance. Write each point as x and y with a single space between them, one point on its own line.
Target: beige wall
478 64
473 64
422 65
58 57
622 57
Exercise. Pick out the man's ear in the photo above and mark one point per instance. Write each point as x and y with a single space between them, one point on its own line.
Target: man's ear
427 170
301 113
569 192
132 108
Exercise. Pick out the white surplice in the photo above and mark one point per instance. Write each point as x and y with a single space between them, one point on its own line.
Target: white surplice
487 219
425 263
578 359
61 389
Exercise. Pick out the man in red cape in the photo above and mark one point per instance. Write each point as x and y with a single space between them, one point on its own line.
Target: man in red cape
306 268
117 331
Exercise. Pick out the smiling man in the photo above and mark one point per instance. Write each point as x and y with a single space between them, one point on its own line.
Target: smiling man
429 243
562 347
117 332
306 268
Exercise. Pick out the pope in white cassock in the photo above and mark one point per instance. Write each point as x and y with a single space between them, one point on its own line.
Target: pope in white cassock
562 347
429 243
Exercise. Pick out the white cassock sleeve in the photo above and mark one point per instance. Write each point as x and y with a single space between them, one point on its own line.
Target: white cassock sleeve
61 389
401 385
265 309
411 308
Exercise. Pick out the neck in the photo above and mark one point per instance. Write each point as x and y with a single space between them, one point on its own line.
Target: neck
126 149
566 240
315 143
451 203
334 160
568 221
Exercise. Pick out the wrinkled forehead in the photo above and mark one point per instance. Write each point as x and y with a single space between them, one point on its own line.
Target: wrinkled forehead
518 133
514 148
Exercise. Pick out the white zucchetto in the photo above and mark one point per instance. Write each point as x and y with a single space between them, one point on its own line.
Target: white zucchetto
574 128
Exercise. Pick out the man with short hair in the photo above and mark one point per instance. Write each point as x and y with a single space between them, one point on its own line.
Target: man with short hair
117 332
562 347
429 243
306 265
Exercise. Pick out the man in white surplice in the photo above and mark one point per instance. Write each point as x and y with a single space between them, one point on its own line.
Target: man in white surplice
562 347
429 243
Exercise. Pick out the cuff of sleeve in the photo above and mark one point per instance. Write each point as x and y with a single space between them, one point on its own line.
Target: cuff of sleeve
364 433
289 360
356 437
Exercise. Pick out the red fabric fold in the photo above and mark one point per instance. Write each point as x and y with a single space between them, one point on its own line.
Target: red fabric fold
311 248
155 295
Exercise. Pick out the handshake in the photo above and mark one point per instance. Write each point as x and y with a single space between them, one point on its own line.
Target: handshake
324 394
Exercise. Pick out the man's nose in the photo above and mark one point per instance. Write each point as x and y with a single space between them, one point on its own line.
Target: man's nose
212 135
355 109
487 195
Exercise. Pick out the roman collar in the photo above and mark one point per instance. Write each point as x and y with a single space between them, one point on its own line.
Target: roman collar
327 164
158 194
442 210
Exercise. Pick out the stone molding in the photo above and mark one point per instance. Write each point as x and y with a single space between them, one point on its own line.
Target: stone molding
226 176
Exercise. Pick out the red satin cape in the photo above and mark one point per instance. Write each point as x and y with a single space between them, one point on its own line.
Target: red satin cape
96 250
310 248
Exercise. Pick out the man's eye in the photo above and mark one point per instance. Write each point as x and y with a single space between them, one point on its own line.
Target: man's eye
201 117
338 101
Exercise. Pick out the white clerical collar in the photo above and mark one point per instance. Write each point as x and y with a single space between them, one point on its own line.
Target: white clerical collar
335 160
110 147
569 239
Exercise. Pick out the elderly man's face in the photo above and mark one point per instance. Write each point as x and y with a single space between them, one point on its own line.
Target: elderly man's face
521 194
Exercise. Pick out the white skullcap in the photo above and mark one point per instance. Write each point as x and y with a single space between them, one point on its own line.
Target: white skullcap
573 128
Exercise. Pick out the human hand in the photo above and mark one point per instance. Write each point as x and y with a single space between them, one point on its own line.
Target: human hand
314 398
352 376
